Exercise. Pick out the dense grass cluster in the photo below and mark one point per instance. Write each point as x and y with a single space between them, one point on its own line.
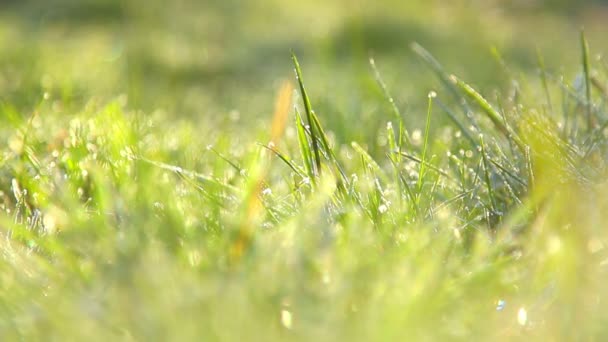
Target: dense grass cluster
488 222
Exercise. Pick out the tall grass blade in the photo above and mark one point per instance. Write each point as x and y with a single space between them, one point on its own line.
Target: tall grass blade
403 132
487 108
309 113
543 78
586 70
304 147
427 130
486 169
327 149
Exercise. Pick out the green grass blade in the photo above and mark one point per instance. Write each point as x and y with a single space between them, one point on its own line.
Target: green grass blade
486 171
403 132
304 147
457 122
309 113
487 108
329 152
427 130
369 161
444 77
586 72
286 160
543 78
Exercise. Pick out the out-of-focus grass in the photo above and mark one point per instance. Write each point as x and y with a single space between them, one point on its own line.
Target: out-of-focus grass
150 189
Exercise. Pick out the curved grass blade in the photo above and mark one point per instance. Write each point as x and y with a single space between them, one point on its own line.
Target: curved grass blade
403 133
487 108
286 160
444 77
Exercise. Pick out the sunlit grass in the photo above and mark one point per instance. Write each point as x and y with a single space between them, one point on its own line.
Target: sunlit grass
472 214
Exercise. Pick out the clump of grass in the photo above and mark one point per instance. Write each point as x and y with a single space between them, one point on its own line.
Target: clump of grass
105 234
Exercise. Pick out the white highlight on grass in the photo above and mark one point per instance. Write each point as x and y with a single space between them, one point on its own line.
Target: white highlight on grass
522 316
286 319
457 234
383 208
554 244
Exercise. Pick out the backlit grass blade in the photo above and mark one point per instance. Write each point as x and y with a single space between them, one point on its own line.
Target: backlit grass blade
287 161
427 165
543 78
304 146
403 133
369 161
444 77
487 108
427 129
309 113
328 151
586 74
486 172
457 122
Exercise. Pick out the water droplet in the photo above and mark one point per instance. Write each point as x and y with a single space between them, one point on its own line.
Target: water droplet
500 305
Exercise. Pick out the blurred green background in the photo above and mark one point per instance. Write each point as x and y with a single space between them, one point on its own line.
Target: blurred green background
220 62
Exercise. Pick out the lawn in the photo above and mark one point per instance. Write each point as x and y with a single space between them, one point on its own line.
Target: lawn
316 170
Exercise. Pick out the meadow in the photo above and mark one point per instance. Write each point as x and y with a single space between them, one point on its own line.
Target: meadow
317 170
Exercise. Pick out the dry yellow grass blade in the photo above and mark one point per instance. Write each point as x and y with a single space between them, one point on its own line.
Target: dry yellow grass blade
281 112
253 204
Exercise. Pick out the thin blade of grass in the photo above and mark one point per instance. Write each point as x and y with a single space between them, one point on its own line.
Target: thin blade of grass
586 73
543 78
329 152
309 113
487 108
486 170
427 129
286 160
457 122
304 147
403 132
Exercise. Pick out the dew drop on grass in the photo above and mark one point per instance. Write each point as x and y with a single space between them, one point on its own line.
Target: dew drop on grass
500 305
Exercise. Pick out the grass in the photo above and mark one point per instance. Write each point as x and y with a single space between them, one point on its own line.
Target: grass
126 216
